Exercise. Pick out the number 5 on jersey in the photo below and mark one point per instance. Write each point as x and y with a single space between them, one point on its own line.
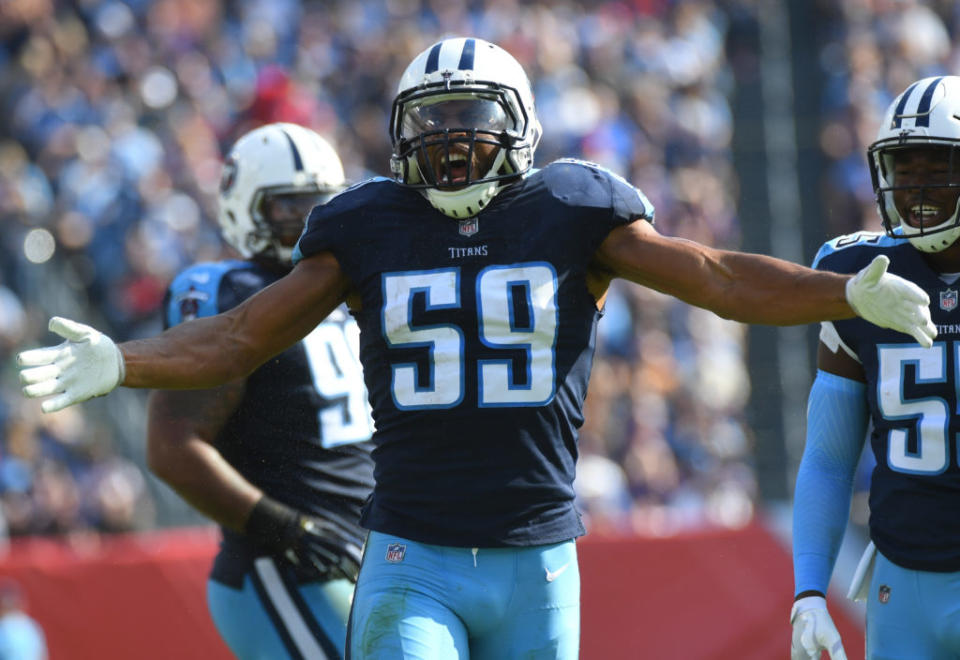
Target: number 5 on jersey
931 415
516 309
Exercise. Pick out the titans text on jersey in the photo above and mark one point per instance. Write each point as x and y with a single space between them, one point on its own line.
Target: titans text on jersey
460 252
481 363
914 427
307 401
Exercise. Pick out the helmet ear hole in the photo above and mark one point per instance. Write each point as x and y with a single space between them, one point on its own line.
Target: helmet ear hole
231 217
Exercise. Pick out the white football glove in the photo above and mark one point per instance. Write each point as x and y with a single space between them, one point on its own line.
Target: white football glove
813 631
86 365
890 301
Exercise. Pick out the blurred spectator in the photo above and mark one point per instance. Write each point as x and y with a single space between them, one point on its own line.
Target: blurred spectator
13 321
21 637
872 51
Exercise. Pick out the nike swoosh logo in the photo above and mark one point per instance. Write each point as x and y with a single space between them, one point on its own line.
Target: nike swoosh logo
201 278
553 575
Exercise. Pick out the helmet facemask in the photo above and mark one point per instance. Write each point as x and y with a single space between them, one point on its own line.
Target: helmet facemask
917 183
463 125
915 164
456 147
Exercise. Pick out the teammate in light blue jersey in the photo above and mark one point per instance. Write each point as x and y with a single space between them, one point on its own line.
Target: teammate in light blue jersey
281 458
477 282
905 394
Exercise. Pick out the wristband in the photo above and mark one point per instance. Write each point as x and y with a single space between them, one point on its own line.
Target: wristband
273 524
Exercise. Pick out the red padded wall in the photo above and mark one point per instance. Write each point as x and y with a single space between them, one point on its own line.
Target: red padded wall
710 595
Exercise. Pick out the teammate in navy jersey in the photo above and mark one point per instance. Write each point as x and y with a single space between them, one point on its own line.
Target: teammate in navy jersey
281 458
906 395
477 282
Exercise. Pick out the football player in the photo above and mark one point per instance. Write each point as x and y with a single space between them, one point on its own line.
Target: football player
906 395
477 282
279 458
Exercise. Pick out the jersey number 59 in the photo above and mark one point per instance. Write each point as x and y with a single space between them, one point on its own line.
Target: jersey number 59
500 292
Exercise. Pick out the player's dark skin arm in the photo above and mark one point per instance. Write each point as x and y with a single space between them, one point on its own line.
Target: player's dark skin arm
749 288
839 363
181 428
219 349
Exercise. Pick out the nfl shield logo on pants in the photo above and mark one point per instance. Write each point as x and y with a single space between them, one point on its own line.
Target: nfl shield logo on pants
469 227
948 300
395 552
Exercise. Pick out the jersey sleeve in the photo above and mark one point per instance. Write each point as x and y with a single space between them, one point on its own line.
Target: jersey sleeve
334 225
588 185
851 252
628 202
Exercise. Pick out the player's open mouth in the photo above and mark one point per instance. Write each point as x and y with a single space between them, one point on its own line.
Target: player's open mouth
454 170
923 215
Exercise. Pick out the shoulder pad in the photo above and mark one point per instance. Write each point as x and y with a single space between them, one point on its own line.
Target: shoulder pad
582 183
854 249
342 218
357 195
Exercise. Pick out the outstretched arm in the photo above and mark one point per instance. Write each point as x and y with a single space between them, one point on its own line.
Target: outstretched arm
198 354
214 350
755 288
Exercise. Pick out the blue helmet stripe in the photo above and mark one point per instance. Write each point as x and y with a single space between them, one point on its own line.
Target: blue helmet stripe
466 58
433 59
898 113
297 160
923 110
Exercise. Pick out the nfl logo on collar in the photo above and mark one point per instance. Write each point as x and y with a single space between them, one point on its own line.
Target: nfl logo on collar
948 300
471 226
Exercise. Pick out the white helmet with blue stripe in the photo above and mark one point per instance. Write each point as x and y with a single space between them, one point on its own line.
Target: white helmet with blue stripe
464 99
271 179
925 116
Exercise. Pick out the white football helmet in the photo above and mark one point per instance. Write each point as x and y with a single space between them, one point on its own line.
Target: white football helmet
271 179
457 95
926 115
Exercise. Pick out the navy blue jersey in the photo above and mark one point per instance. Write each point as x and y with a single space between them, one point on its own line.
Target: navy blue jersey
301 432
477 338
913 397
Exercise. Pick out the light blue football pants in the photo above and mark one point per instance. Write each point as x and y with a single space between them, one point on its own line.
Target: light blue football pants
417 602
272 617
912 614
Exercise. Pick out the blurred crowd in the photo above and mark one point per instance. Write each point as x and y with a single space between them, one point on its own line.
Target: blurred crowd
872 50
116 114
